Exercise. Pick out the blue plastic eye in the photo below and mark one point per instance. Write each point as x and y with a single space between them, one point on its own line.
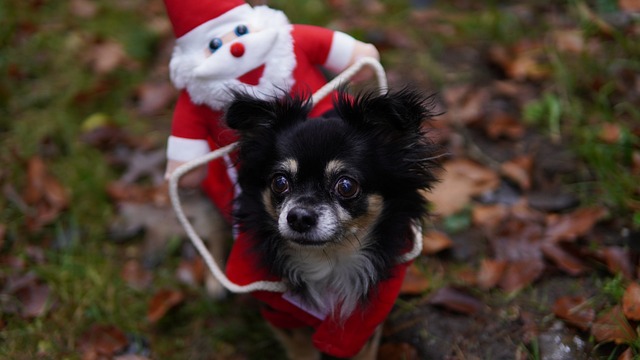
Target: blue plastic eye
215 44
241 30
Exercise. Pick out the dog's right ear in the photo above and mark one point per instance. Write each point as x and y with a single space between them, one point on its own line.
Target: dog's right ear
248 114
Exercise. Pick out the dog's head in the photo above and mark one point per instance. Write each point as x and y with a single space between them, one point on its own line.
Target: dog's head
318 183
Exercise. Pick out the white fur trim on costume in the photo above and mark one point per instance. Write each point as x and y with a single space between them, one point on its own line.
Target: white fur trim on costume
341 52
182 149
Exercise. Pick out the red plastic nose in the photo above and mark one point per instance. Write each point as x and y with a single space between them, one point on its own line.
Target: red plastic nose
237 49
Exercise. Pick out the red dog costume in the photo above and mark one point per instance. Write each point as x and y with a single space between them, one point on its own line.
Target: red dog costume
228 45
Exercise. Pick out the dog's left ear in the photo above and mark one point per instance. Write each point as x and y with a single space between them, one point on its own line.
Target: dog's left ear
248 114
402 111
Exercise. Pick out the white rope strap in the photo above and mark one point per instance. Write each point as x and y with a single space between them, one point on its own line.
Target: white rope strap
348 73
273 286
195 238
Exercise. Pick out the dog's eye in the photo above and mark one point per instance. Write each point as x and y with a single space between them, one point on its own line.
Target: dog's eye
279 184
241 30
347 187
215 44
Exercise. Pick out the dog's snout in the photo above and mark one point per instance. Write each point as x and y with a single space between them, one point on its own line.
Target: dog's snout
302 219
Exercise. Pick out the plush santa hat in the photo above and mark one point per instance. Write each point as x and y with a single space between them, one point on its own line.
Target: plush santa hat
186 15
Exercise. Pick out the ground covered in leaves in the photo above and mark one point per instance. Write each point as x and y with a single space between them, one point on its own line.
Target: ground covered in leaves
532 251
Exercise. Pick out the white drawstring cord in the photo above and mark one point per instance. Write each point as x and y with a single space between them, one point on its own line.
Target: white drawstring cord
273 286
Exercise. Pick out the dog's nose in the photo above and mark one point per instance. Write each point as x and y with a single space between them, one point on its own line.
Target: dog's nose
301 219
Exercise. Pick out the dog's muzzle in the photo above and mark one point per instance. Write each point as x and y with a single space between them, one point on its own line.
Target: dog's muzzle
308 225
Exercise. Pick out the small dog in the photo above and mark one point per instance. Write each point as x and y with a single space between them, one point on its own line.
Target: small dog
330 204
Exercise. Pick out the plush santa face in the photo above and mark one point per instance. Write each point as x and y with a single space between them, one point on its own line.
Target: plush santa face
247 49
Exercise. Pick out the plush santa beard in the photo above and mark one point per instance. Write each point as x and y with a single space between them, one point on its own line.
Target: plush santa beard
211 78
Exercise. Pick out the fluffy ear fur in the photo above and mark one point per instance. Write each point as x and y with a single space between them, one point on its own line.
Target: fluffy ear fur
396 119
249 115
397 112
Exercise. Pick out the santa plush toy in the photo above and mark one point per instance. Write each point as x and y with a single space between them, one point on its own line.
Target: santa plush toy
227 45
224 45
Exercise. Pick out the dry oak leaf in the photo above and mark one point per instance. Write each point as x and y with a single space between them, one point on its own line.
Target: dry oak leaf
613 326
575 310
631 301
44 193
461 180
35 299
618 260
434 242
465 103
568 227
102 340
522 61
629 5
519 274
456 300
490 273
155 97
105 57
162 302
415 282
397 351
610 133
569 40
489 216
566 261
504 125
519 170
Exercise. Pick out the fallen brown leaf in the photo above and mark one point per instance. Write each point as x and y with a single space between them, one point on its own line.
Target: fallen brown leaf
504 125
519 274
84 9
397 351
105 57
155 97
3 232
490 273
465 103
44 193
456 300
635 165
162 302
631 301
519 170
618 261
35 299
461 180
524 60
610 133
612 326
629 5
627 355
569 40
434 242
101 340
415 282
568 227
563 259
489 216
575 310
